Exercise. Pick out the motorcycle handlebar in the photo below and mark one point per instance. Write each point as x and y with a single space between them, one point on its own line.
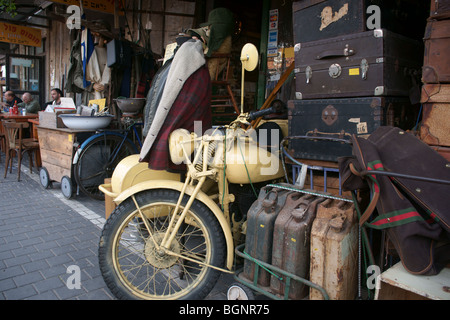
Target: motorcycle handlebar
261 113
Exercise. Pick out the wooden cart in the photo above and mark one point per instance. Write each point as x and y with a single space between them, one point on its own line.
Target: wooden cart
57 147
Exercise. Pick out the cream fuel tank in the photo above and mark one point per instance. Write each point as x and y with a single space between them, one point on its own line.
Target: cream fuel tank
246 160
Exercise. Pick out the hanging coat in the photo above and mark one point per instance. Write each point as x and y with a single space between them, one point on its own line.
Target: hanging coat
186 98
74 81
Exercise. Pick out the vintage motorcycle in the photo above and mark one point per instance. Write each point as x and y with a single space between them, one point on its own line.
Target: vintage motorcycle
171 240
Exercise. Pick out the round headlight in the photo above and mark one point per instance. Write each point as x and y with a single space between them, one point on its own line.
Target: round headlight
177 140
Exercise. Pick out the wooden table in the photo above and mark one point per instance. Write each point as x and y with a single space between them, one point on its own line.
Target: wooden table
17 118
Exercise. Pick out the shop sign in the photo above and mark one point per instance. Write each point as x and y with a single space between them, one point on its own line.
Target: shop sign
27 63
20 35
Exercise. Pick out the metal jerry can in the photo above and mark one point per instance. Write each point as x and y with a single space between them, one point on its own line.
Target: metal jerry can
334 250
291 243
260 222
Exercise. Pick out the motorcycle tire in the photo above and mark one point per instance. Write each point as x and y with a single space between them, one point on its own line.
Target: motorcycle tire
134 268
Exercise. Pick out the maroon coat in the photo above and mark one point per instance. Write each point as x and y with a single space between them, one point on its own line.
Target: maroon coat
193 103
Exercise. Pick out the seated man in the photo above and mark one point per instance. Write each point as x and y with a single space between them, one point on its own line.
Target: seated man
56 96
30 105
10 99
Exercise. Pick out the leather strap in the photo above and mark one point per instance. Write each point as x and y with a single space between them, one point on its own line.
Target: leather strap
373 203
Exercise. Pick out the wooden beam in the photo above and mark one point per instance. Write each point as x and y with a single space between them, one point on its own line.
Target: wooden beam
166 13
274 92
22 23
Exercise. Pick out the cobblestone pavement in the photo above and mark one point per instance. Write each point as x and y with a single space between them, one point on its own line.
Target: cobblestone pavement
42 234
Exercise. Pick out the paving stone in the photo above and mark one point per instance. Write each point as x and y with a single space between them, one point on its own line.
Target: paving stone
7 284
20 293
65 293
35 265
59 260
11 272
48 295
28 278
49 284
16 261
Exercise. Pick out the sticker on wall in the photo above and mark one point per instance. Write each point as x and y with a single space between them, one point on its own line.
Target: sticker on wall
273 39
273 29
273 19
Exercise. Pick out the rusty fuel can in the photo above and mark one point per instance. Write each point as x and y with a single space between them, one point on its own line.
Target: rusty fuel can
334 250
291 243
260 223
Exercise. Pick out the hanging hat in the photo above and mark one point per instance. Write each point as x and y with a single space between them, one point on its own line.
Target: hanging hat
219 16
221 24
201 33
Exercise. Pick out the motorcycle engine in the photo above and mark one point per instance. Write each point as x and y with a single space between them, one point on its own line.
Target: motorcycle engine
245 196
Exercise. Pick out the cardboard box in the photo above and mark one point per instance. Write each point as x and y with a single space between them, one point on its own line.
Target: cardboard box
51 119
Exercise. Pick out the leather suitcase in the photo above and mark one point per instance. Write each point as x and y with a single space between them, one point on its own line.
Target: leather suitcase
319 19
436 65
340 119
372 63
440 9
435 128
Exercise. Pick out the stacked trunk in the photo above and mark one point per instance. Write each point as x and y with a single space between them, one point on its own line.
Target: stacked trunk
350 77
435 97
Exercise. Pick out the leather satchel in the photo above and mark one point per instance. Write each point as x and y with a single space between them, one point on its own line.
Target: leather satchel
409 192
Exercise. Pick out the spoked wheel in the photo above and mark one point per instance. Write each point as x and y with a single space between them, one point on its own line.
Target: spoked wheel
97 161
133 264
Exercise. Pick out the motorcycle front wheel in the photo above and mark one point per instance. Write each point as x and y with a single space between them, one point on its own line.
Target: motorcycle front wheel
134 268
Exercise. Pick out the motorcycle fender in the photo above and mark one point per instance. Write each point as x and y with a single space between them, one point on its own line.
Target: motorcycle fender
201 196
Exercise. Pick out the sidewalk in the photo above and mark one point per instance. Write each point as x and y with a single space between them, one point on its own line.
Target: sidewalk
42 234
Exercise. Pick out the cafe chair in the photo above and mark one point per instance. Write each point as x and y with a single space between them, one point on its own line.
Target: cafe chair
16 144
